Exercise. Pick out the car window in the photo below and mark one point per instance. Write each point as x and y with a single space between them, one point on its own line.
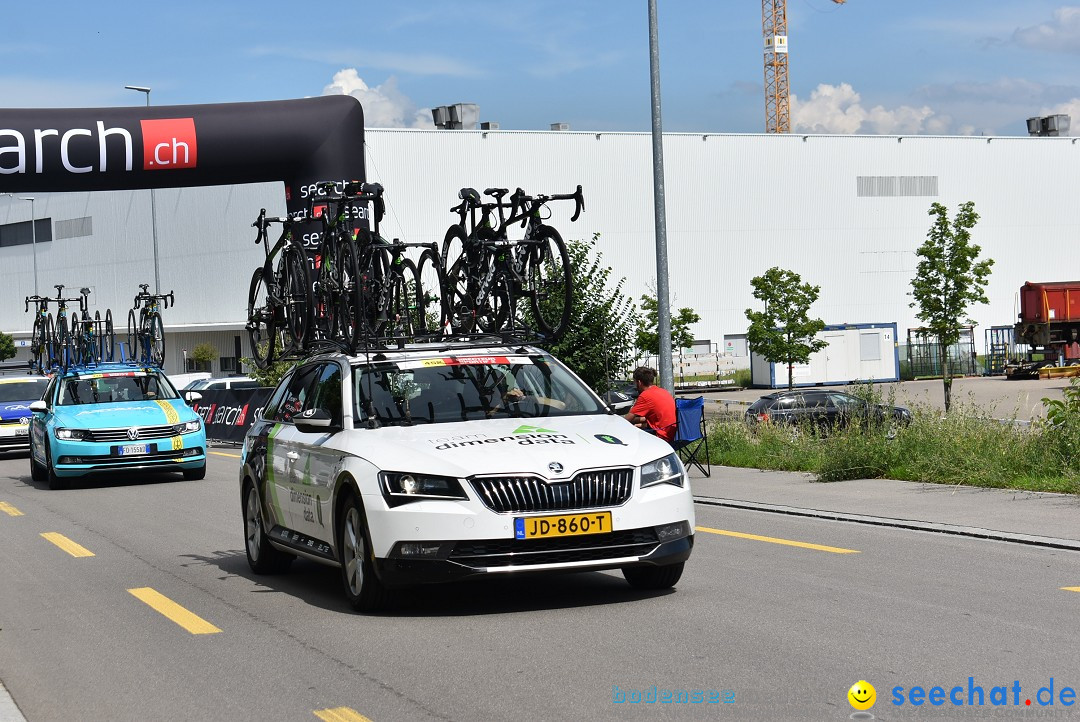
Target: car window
271 407
444 390
815 401
23 390
112 388
326 393
296 394
785 403
244 384
845 402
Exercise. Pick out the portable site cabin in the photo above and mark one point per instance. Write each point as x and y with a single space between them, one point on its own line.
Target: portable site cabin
855 352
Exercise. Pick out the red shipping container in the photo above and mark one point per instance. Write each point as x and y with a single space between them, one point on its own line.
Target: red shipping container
1050 302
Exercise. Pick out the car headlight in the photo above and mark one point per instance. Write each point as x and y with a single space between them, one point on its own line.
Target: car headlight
72 434
188 427
668 470
402 487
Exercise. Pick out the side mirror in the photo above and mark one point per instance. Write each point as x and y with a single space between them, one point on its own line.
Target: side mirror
192 396
39 407
314 421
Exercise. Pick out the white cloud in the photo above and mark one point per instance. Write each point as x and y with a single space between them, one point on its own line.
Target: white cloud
1062 33
384 105
839 109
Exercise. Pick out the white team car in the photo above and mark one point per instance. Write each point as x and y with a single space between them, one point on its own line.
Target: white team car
431 464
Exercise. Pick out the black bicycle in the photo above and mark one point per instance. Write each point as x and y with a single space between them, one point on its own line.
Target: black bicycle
146 332
42 338
400 297
93 340
337 288
280 294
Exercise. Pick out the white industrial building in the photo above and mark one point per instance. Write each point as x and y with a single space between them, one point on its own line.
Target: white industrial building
845 212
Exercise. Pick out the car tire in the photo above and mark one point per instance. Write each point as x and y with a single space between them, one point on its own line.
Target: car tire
195 474
55 482
664 577
364 590
37 471
262 556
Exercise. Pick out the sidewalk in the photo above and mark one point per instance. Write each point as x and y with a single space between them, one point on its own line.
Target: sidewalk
1021 516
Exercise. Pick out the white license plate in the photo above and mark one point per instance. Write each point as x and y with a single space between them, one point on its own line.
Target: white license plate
132 449
22 432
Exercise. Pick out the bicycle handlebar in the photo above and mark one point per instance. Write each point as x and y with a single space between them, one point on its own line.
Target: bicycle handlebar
520 199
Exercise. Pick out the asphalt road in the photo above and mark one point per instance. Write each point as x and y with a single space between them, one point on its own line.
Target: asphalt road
784 629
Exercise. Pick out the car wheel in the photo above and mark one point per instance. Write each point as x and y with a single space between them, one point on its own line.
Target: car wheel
364 590
37 471
55 482
663 577
262 556
195 474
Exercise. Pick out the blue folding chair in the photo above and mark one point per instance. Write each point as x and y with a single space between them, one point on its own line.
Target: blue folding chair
691 438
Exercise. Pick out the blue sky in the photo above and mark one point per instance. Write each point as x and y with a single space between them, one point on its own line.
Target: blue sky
867 66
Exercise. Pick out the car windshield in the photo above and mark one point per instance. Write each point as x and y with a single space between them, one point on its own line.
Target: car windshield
448 389
22 390
109 388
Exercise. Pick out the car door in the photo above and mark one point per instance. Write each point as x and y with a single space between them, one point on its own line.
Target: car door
39 423
317 465
283 451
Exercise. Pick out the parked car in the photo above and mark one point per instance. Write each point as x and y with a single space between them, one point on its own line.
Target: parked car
821 407
436 463
16 395
113 418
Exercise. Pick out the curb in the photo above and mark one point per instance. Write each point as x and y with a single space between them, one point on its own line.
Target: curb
928 526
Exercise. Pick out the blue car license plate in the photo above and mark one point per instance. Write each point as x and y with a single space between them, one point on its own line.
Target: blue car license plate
132 449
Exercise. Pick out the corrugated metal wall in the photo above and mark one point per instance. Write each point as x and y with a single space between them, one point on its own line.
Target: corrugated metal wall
736 205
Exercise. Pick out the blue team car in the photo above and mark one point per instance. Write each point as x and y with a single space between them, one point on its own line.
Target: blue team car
113 418
16 395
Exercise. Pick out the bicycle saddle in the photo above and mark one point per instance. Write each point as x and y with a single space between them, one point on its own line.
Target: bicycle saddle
496 193
469 194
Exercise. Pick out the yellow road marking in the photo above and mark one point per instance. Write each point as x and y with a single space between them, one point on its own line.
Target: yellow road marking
773 540
9 509
222 453
340 714
75 550
1071 589
167 607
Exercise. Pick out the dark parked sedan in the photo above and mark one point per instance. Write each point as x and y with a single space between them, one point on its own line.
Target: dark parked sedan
821 407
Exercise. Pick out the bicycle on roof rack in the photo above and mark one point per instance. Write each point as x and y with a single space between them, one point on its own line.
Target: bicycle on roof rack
280 294
93 340
42 351
146 332
337 288
489 274
401 297
63 349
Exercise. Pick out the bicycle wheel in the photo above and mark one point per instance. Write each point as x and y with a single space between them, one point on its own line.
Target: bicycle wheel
431 309
458 301
296 293
63 349
108 338
156 341
350 295
37 342
50 340
548 282
260 324
74 332
98 344
401 306
132 337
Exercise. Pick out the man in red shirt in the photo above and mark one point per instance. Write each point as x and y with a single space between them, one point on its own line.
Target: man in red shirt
654 410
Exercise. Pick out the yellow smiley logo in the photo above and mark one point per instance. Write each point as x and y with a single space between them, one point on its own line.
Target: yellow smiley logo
862 695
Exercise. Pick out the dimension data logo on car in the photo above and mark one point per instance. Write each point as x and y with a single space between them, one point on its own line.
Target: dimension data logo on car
522 436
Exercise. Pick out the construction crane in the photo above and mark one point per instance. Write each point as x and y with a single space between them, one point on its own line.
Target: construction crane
774 30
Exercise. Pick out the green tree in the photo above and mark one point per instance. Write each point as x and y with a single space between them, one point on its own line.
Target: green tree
599 342
648 329
948 278
269 376
7 347
203 354
784 331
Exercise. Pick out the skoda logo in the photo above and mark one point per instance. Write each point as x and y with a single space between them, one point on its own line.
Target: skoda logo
555 467
133 433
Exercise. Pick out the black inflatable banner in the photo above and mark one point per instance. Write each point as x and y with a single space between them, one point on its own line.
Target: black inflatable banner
228 413
299 142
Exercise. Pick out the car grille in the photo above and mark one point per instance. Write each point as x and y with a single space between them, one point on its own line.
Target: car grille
560 550
121 434
589 489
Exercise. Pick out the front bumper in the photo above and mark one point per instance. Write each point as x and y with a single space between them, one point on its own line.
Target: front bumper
464 559
79 458
14 436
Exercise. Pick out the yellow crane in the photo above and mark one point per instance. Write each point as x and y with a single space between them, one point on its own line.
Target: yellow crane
774 30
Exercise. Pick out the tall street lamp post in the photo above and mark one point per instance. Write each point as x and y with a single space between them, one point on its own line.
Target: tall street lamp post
153 200
33 236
